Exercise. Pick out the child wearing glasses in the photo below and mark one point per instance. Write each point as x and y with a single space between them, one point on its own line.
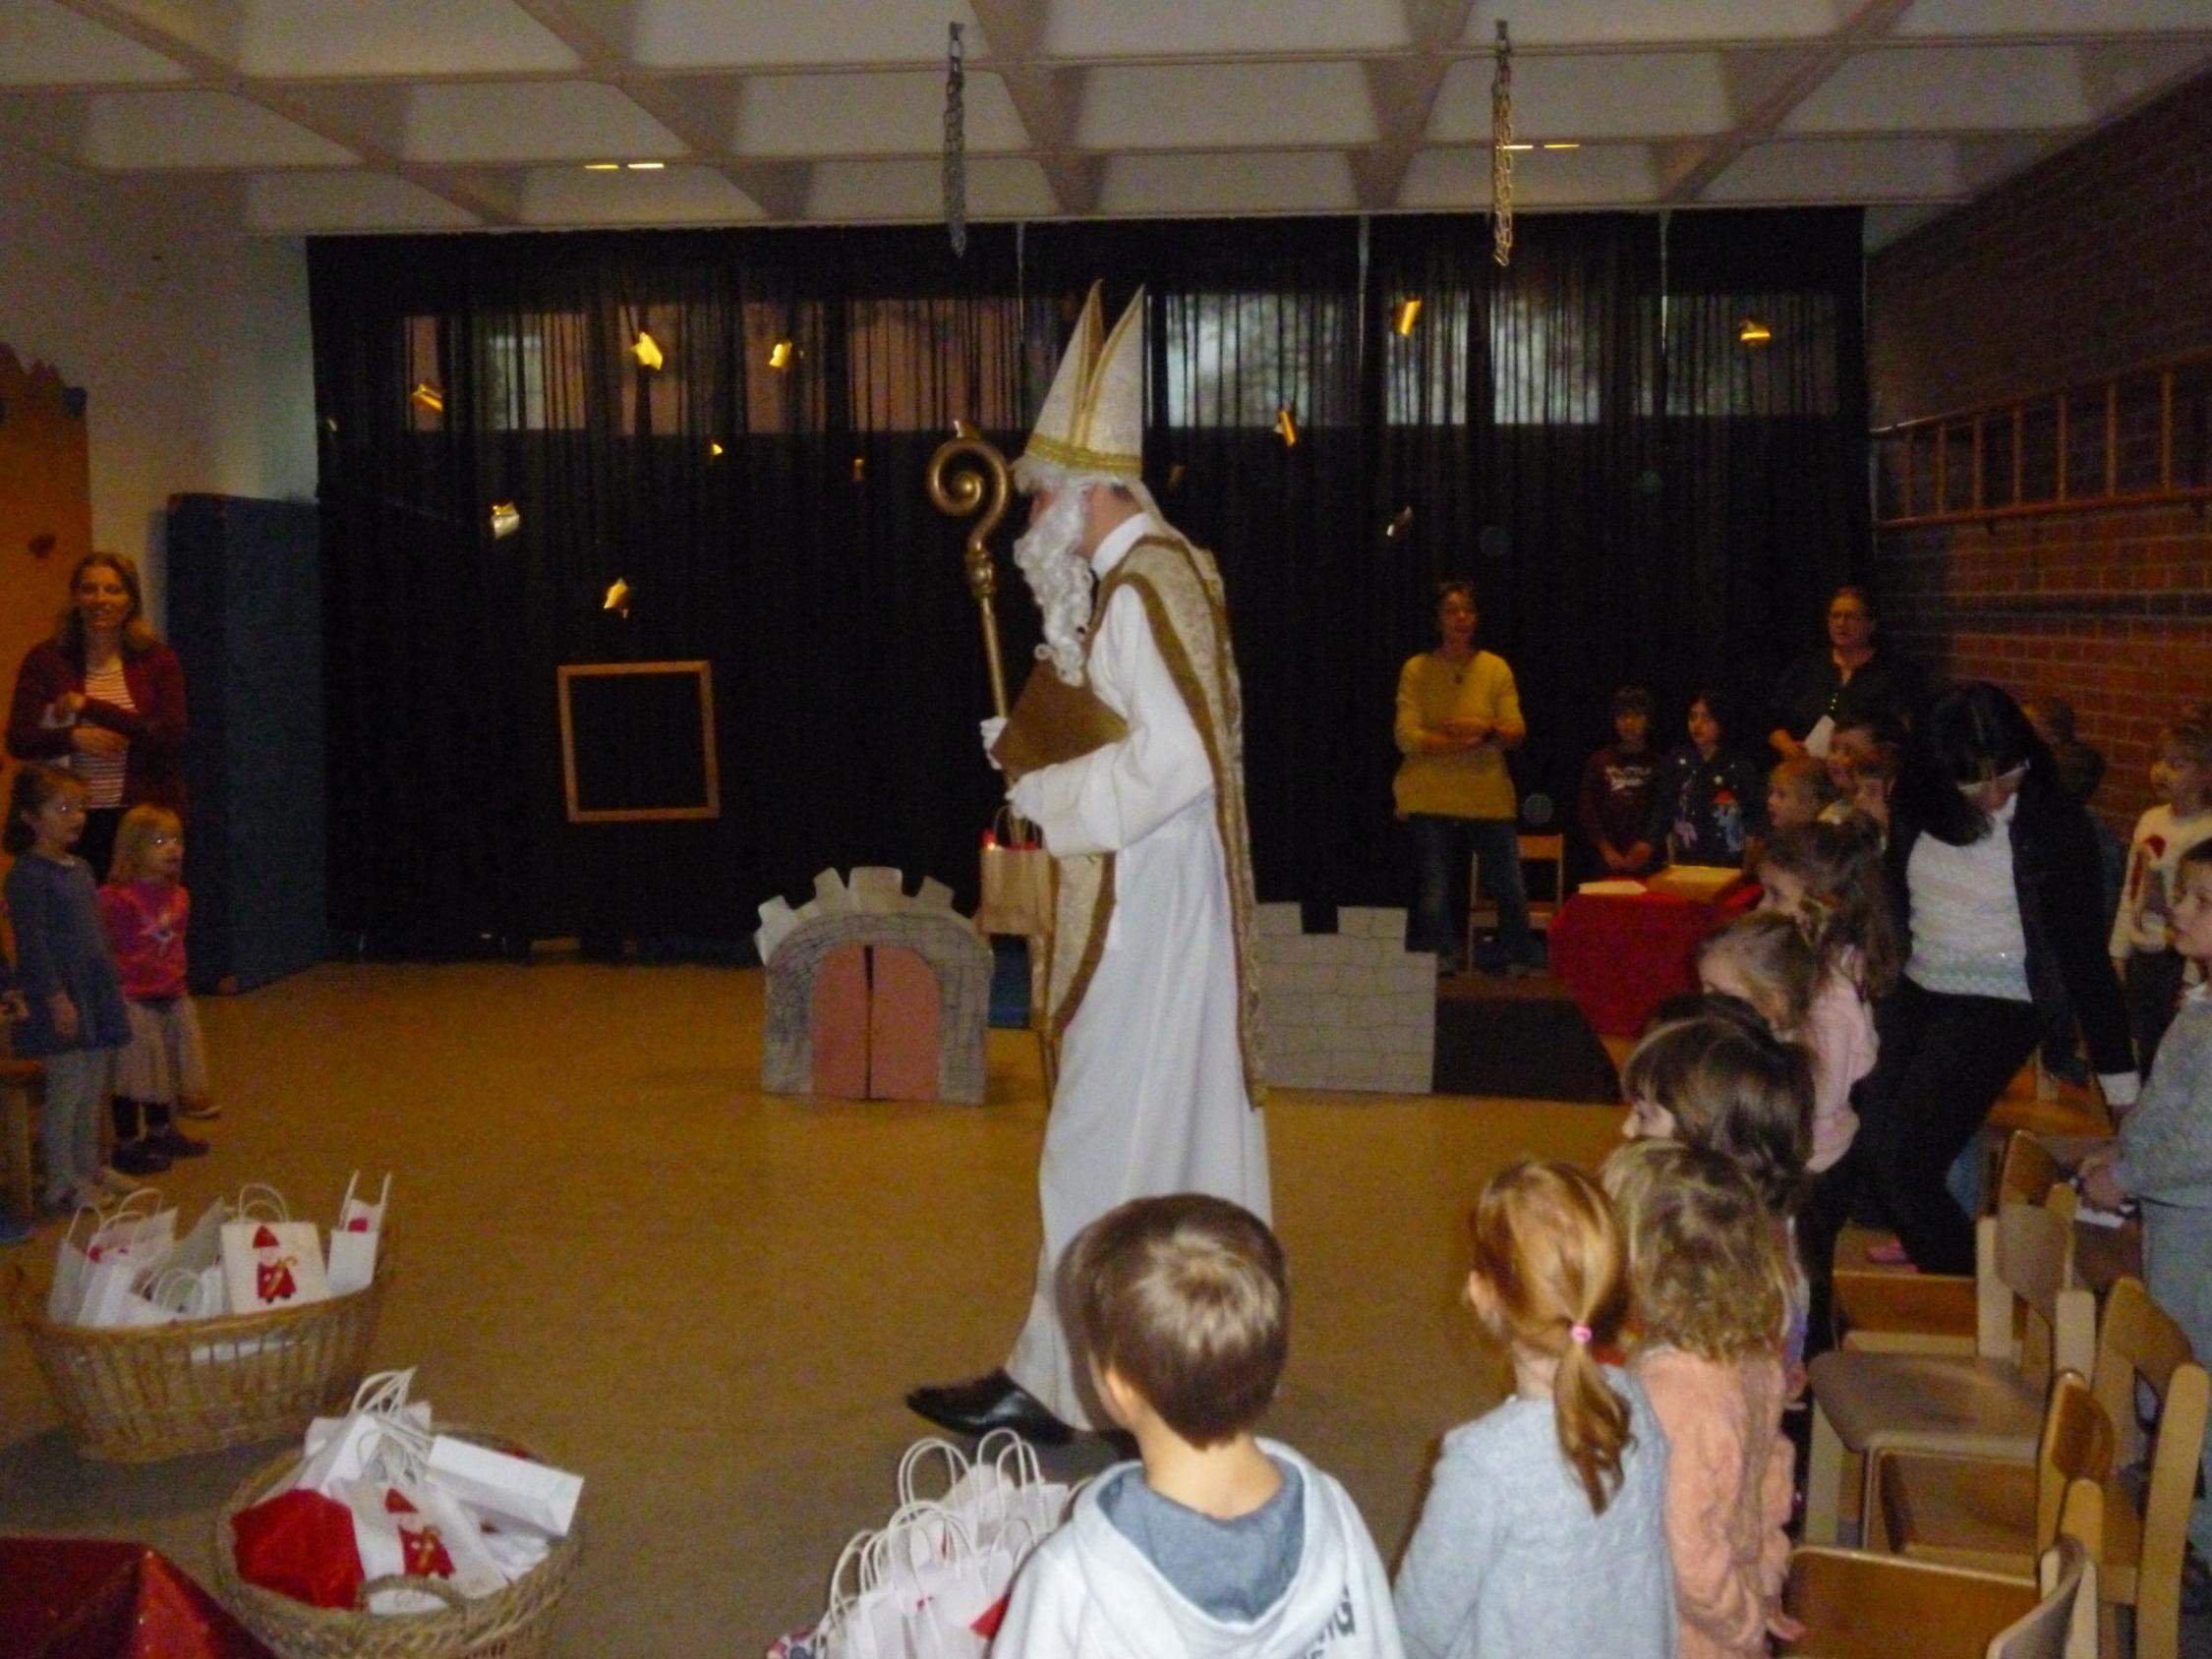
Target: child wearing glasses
163 1069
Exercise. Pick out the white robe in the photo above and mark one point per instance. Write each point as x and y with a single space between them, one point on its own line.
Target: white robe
1151 1094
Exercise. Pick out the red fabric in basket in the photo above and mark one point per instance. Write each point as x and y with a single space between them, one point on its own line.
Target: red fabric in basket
300 1544
95 1598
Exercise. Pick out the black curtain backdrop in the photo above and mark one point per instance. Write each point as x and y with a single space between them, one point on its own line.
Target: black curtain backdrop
1638 495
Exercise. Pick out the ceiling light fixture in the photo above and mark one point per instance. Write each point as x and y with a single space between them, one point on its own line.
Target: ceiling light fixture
1563 146
645 167
1752 332
1520 146
603 166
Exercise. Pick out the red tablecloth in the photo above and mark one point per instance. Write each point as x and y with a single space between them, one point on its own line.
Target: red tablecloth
91 1598
1622 955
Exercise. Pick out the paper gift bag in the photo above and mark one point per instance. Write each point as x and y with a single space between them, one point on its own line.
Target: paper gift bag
380 1431
415 1530
270 1264
99 1272
353 1240
508 1489
1017 883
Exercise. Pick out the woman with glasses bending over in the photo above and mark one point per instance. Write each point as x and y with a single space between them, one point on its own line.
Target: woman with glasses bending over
104 699
1994 870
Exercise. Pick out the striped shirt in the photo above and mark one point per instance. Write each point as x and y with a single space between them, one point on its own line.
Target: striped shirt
104 773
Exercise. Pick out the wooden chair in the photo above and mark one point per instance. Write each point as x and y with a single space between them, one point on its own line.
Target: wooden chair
1859 1606
2146 1537
1886 1311
20 1081
1995 1518
1534 849
1982 1404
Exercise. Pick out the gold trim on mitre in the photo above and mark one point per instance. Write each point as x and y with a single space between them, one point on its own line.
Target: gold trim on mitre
1094 418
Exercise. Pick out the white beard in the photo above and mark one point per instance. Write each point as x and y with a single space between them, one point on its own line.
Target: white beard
1060 578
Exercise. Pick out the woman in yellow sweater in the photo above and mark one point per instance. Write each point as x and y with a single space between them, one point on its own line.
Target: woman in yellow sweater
1458 713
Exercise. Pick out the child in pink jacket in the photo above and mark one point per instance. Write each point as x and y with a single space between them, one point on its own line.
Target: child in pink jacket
1711 1273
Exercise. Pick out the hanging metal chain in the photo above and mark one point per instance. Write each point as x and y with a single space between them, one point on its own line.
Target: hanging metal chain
956 142
1501 151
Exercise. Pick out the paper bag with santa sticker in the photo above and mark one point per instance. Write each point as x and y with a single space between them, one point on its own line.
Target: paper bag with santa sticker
271 1261
353 1242
124 1241
412 1529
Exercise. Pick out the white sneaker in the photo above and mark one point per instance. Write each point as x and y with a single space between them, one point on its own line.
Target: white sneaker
114 1183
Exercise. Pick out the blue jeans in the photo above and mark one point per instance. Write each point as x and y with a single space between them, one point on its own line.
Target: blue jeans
1441 850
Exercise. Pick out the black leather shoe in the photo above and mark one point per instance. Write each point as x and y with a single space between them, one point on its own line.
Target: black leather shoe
995 1401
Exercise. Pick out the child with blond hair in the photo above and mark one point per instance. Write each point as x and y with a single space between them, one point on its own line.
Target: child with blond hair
162 1071
1218 1542
1711 1274
1798 792
1544 1528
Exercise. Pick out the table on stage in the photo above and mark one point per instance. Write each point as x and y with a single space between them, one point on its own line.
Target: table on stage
1623 955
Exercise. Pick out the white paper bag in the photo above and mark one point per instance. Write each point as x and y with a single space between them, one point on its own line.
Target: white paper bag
414 1529
353 1240
271 1264
508 1489
92 1280
376 1434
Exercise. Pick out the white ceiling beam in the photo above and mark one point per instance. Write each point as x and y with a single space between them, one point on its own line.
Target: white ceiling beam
1047 101
204 36
1403 92
1764 86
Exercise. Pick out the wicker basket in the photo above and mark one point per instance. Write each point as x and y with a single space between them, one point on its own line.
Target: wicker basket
514 1623
135 1395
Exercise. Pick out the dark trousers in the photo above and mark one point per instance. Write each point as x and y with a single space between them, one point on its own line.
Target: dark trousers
1442 847
2154 988
1819 1222
1945 1062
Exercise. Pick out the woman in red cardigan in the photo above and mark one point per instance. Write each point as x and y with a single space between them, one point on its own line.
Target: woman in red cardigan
105 699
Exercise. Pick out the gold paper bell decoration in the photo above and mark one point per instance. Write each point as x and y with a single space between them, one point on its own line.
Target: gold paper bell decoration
1409 313
859 469
617 598
1176 475
428 398
967 429
506 519
779 355
1286 424
714 449
647 351
1399 526
1752 332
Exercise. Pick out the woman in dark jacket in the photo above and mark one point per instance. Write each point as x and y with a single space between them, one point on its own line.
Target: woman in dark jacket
105 699
1994 870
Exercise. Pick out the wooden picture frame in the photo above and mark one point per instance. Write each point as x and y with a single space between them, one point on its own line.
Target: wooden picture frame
709 803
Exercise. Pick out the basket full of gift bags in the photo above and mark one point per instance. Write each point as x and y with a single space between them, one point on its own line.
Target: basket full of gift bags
932 1583
387 1535
156 1343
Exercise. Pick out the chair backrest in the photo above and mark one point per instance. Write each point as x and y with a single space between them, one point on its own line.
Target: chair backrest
2076 1451
2028 1173
2140 1342
2062 1624
1553 851
2025 1253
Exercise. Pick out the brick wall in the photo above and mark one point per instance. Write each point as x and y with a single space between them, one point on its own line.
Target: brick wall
2096 262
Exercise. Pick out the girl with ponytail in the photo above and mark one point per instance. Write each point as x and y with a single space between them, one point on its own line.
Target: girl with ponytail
1544 1528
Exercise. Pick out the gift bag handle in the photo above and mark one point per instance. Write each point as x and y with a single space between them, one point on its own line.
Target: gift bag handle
140 1206
165 1285
384 1391
841 1603
955 1459
997 1447
255 1201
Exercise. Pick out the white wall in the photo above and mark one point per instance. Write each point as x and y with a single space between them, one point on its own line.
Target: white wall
189 338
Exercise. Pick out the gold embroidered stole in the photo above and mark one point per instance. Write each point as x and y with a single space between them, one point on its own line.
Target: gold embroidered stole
1181 589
